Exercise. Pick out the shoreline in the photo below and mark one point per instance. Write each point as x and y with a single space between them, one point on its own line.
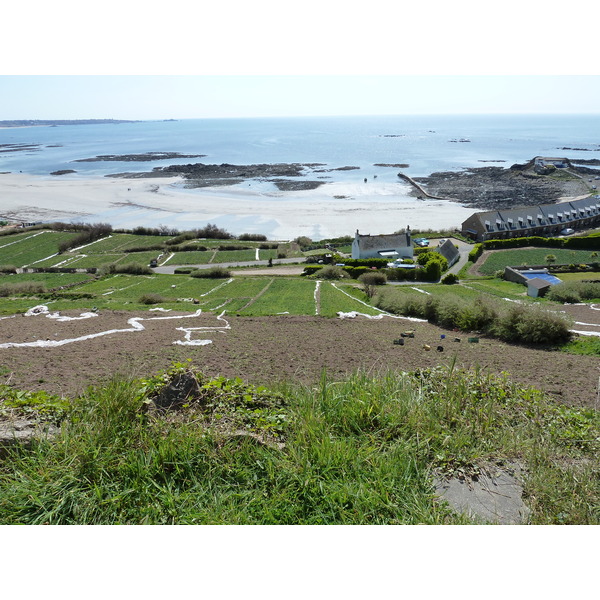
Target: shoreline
333 209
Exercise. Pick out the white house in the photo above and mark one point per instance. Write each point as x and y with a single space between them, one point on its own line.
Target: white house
391 247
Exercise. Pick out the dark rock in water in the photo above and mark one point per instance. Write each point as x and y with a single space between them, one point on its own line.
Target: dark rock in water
63 172
287 185
145 157
395 165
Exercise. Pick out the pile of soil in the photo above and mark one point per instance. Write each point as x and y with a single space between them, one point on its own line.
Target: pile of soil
266 350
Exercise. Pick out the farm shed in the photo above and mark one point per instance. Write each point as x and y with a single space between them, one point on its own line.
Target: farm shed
393 246
537 287
537 280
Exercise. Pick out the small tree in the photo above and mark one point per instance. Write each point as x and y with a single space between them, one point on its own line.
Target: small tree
550 259
370 280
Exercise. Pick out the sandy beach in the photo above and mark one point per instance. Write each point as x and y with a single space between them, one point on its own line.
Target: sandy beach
333 209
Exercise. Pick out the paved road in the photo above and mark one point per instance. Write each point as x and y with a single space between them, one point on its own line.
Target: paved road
170 269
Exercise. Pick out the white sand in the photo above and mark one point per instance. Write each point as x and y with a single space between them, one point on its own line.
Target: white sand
248 208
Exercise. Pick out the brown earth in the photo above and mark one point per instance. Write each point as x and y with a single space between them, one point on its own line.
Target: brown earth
265 350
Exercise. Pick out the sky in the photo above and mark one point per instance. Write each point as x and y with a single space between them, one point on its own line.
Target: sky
129 59
215 96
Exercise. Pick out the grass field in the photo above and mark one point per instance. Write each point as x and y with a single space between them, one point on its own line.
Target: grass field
532 256
28 248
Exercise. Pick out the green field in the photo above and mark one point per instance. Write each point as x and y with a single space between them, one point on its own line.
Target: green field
27 248
120 242
497 260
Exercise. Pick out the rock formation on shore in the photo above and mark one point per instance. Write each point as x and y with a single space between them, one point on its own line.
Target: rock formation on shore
492 188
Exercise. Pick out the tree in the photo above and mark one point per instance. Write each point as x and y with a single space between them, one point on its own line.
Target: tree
550 259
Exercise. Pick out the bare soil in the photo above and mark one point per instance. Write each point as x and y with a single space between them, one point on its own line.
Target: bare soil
266 350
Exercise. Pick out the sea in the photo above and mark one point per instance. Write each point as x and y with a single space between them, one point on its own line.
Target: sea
425 143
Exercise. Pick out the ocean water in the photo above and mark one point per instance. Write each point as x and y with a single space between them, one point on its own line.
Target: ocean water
426 143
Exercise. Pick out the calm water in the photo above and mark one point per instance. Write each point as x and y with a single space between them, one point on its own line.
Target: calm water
423 142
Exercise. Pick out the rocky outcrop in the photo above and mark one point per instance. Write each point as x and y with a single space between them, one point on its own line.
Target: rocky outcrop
493 188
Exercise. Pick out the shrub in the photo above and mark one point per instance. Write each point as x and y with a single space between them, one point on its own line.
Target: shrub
252 237
476 252
370 280
432 271
424 257
331 272
151 299
399 274
450 279
128 269
212 273
311 269
518 323
378 263
303 241
574 291
8 269
89 234
22 288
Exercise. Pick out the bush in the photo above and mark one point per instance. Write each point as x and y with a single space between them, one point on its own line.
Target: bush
531 325
373 278
252 237
432 271
476 252
7 269
89 234
151 299
574 292
450 279
303 241
212 273
331 272
378 263
518 323
24 288
128 269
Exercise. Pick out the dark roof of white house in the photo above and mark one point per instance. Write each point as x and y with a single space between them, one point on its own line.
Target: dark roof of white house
383 242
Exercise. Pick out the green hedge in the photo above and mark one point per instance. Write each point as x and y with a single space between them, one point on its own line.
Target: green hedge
588 242
476 252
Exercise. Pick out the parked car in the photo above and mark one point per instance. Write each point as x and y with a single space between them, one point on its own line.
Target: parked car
396 263
421 242
567 231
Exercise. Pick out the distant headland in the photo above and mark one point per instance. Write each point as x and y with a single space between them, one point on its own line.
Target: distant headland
56 123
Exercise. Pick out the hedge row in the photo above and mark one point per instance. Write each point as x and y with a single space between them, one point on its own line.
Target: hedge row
589 242
516 323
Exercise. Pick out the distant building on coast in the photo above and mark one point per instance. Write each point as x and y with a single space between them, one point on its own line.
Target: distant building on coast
392 246
545 219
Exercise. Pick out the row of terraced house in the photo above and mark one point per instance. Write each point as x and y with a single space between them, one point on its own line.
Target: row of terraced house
543 220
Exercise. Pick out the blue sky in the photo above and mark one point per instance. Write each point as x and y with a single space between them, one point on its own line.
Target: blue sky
148 60
209 96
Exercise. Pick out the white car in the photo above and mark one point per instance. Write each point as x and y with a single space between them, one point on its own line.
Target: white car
567 231
396 263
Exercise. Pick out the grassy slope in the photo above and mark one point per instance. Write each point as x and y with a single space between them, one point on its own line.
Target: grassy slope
359 451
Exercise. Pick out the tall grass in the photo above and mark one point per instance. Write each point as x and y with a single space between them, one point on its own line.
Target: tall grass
358 451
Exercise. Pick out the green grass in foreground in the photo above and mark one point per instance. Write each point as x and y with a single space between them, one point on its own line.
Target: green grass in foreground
359 451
